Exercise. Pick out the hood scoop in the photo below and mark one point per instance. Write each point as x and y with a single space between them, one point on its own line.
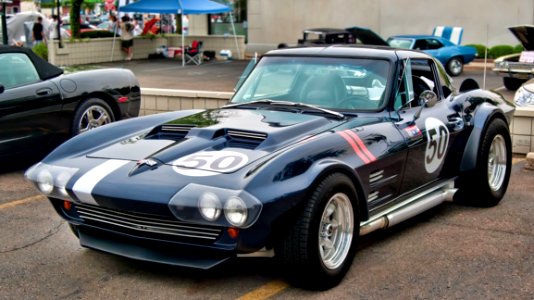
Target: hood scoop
245 139
170 132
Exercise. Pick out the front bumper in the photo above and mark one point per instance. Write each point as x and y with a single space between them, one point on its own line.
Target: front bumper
516 70
152 238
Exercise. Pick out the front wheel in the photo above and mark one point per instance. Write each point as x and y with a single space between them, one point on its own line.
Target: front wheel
487 185
91 114
319 248
455 66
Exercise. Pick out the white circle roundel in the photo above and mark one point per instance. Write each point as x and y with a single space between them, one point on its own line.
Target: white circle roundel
437 141
208 163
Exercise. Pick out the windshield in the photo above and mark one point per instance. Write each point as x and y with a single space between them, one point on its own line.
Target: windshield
400 43
331 83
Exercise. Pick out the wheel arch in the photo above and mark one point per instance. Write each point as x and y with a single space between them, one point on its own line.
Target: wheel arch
110 101
484 116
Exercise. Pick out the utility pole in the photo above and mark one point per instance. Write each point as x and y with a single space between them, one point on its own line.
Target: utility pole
4 23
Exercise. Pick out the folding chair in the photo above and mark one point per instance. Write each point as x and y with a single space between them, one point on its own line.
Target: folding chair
194 53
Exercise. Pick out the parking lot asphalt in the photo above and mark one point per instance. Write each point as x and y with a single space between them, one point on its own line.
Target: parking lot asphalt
220 76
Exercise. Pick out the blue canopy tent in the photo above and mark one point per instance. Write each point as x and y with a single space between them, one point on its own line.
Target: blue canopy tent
183 7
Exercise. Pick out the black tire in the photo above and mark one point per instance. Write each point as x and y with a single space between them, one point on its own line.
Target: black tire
91 114
487 184
511 83
321 263
455 66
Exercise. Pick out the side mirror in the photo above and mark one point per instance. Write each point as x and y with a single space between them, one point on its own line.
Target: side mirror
427 99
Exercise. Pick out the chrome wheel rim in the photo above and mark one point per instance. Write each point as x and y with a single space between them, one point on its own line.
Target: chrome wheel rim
497 162
456 66
336 231
93 117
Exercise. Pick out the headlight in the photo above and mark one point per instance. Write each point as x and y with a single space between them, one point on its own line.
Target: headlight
235 211
51 180
523 97
45 181
209 206
205 204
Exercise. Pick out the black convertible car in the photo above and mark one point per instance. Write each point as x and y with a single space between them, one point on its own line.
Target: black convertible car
318 146
40 107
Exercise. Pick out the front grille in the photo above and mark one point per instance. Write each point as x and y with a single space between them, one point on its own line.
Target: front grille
149 226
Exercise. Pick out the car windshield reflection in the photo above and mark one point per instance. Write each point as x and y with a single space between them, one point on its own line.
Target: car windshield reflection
331 83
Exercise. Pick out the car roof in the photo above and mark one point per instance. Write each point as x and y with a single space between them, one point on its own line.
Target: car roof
416 36
44 68
349 51
326 30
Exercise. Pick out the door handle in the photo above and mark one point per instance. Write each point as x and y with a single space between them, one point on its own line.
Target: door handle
44 92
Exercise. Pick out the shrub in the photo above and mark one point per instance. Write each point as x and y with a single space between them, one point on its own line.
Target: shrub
96 34
519 48
500 50
41 50
481 50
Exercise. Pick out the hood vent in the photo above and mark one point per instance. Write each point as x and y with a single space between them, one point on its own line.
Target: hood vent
170 132
245 139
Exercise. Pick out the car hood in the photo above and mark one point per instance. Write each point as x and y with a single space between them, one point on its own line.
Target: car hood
197 141
525 34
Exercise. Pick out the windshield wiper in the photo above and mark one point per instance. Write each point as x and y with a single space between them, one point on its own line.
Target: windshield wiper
289 103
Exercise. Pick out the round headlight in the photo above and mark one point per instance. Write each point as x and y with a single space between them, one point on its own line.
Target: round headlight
61 183
45 181
236 211
209 206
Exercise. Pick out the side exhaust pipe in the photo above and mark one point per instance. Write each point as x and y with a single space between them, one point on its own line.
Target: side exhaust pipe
410 208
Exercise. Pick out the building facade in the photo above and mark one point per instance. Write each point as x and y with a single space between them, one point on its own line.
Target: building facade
271 22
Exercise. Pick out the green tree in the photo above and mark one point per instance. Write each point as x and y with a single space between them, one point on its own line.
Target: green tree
75 17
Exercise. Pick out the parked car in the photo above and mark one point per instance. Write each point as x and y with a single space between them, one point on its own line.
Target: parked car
452 56
322 36
318 146
40 107
524 96
352 35
518 67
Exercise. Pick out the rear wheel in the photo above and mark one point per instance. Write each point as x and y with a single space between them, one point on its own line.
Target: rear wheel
93 113
320 246
455 66
487 185
511 83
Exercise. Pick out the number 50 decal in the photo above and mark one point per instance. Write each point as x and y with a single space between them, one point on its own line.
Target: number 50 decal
437 141
209 163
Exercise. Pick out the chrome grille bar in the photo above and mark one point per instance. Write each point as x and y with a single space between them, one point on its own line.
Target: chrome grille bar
146 224
247 135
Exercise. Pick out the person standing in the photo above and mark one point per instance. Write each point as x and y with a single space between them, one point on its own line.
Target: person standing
53 28
127 37
38 31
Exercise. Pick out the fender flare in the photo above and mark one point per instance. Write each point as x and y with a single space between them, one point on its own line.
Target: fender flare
482 117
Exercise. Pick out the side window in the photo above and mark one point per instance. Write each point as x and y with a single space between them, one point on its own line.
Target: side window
420 45
17 70
418 76
434 44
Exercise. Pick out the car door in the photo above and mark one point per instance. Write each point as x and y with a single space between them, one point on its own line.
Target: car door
29 106
429 130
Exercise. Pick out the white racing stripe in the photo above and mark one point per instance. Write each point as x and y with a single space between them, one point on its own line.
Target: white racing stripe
85 185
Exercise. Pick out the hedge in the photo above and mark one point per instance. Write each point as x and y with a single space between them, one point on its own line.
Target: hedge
500 50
